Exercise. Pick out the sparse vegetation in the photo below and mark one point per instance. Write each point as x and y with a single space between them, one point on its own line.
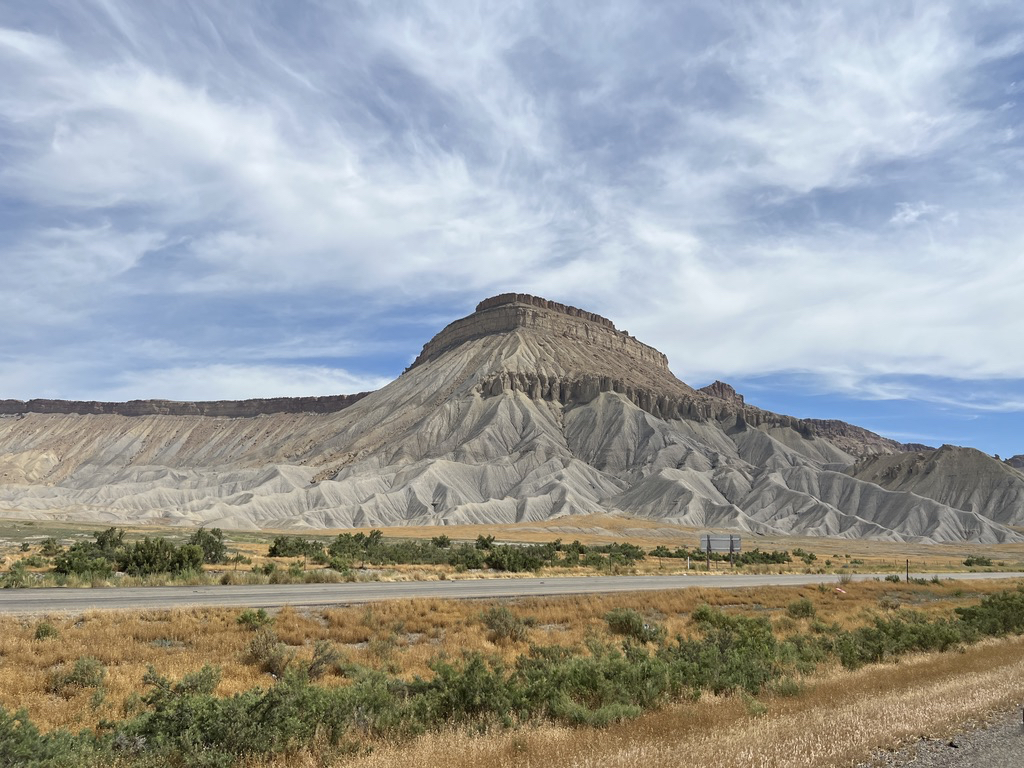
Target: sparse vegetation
806 557
45 630
978 561
627 622
504 625
800 609
87 672
593 662
255 619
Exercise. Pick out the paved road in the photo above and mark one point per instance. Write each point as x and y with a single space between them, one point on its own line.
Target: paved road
63 600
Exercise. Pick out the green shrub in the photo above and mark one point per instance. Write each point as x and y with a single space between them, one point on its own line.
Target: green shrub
87 672
269 653
156 555
800 609
23 746
978 561
295 546
325 658
211 542
624 621
504 625
50 547
254 619
44 630
16 577
807 557
894 578
997 615
734 653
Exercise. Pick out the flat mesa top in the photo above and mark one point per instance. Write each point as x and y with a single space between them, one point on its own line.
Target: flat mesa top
536 301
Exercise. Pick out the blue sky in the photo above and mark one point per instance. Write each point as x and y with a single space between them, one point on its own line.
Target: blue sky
819 203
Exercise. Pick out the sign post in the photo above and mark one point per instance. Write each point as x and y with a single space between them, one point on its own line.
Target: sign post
721 543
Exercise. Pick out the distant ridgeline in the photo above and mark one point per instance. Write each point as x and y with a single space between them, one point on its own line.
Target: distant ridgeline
224 408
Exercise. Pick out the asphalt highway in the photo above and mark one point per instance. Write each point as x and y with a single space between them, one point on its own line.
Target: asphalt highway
67 600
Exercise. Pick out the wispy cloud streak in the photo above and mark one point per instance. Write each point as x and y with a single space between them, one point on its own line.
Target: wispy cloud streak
755 188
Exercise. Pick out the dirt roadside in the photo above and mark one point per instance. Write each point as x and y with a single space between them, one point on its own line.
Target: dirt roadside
997 742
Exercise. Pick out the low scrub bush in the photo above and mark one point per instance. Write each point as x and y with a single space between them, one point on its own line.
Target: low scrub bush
623 621
44 630
87 672
325 659
972 561
806 557
267 652
254 619
504 626
23 746
800 609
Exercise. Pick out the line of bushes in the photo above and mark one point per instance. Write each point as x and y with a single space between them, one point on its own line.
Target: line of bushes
183 723
109 552
351 550
755 556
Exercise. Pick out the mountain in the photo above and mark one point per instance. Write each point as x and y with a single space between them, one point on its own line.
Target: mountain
525 410
961 477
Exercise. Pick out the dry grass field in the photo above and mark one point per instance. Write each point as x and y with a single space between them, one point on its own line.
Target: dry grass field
841 718
839 715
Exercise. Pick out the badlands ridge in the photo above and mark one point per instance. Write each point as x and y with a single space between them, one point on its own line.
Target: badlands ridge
525 410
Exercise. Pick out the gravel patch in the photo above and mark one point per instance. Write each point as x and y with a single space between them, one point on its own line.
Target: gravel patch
996 743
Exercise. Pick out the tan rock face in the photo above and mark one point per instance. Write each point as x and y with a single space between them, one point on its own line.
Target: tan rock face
722 391
509 311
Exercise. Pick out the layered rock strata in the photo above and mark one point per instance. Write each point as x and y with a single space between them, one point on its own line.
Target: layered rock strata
511 311
222 408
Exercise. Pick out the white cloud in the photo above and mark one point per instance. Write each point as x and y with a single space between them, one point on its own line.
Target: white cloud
752 188
237 382
909 213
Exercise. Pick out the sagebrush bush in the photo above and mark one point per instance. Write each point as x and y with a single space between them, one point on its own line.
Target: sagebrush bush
624 621
44 630
87 672
800 609
325 658
254 619
267 652
504 626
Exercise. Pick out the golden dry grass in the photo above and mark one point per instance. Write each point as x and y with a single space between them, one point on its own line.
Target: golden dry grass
401 637
842 717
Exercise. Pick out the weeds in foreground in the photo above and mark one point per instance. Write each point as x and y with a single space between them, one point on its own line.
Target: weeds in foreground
601 684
